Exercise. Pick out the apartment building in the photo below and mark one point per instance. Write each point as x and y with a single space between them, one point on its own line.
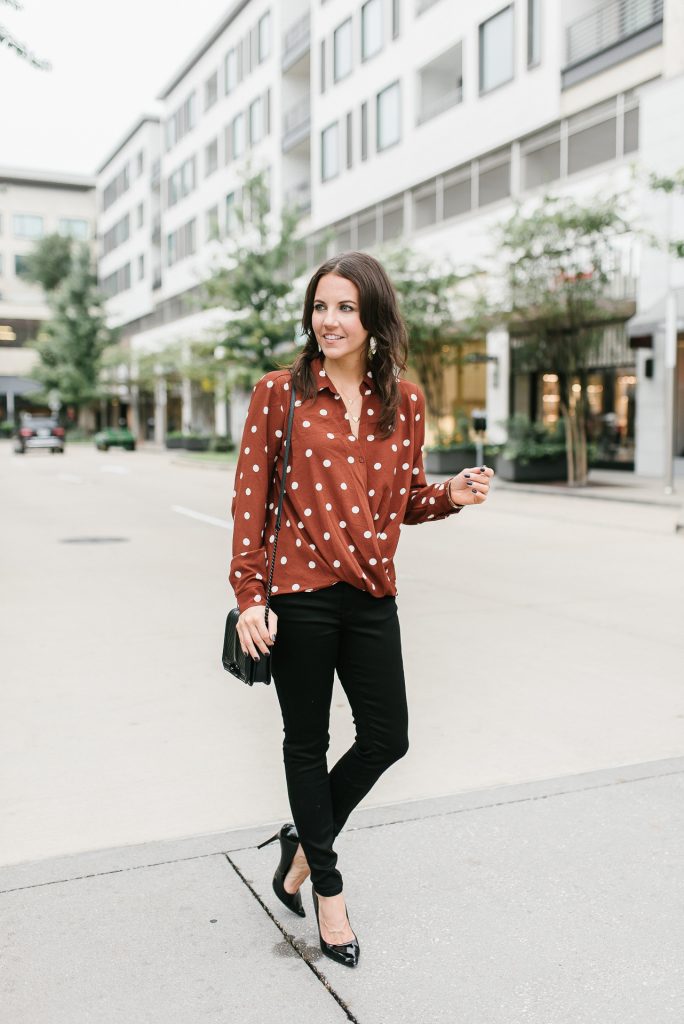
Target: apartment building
423 121
32 204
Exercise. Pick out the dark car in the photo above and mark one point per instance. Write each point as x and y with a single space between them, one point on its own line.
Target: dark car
112 437
39 432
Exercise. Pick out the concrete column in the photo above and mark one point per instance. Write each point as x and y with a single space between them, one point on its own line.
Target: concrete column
160 410
186 400
220 410
498 372
10 406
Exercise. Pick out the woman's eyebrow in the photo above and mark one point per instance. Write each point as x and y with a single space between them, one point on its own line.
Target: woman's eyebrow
346 301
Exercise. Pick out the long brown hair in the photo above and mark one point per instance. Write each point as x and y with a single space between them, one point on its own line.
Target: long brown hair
379 315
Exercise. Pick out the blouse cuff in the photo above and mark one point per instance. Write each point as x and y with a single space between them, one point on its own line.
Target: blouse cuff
448 494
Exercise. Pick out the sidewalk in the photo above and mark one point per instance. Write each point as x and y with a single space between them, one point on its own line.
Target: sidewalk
610 485
551 902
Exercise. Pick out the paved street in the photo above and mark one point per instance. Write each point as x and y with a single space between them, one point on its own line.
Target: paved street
542 638
520 866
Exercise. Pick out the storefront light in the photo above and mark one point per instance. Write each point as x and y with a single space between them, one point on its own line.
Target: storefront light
576 387
551 398
551 377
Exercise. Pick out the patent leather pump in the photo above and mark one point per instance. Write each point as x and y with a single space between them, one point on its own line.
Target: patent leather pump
346 953
289 841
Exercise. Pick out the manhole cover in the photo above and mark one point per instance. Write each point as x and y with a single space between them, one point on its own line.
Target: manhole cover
94 540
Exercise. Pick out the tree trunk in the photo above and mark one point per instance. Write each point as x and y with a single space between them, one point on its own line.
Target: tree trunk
569 436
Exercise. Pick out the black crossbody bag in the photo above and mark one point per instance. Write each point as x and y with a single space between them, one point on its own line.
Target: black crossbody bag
234 661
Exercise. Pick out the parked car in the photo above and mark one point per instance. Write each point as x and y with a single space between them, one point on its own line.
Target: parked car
39 432
114 437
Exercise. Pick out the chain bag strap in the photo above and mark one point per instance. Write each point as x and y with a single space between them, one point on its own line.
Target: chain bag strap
241 665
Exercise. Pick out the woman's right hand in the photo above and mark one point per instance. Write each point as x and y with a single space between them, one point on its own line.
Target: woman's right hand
252 632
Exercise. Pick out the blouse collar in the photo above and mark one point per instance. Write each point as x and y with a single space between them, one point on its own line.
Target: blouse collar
324 380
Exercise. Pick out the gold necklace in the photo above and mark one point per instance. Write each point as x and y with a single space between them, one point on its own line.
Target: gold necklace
349 415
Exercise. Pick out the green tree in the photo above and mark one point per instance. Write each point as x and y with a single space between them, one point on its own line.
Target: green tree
12 43
253 282
49 262
553 266
73 340
429 296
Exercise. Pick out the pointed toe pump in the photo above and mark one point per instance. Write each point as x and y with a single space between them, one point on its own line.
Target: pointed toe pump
346 953
289 841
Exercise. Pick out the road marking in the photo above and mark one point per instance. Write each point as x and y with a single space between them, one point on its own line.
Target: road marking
212 520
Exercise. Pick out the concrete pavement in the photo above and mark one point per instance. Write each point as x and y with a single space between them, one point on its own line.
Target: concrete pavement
554 902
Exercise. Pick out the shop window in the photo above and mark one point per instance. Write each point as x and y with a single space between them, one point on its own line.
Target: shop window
457 193
494 178
540 158
425 205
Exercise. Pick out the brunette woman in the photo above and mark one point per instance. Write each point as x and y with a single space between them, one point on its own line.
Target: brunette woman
355 477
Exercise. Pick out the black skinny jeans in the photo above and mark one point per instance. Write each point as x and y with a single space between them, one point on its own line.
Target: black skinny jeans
341 628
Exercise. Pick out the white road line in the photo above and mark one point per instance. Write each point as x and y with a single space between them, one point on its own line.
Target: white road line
212 520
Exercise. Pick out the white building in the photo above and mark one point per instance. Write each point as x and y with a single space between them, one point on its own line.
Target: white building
423 120
33 204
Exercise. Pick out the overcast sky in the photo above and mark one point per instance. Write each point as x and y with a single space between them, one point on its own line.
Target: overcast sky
109 62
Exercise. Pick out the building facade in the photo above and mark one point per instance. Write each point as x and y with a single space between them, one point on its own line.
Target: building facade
423 122
33 204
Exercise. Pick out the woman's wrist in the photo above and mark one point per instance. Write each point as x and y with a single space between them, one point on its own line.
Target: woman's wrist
453 503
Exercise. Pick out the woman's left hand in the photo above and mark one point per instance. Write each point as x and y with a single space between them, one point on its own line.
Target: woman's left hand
471 486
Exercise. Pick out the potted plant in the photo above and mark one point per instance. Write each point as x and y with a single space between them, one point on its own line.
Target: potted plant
532 452
455 452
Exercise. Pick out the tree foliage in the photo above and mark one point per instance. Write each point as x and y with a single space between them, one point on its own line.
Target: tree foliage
12 43
73 340
49 262
555 264
253 282
429 295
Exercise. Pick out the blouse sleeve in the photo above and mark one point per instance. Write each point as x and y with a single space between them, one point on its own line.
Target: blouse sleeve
426 502
261 443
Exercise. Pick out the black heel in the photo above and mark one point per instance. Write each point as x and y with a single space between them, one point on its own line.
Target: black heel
289 841
346 953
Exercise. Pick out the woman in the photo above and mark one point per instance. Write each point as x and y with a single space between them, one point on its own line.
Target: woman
355 476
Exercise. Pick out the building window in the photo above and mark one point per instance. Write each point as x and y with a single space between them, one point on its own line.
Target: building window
457 192
117 235
630 141
392 218
388 117
212 223
181 182
440 83
496 50
592 136
141 214
364 131
264 28
342 50
494 177
371 28
540 156
230 71
119 281
181 121
425 205
396 18
256 121
211 91
140 162
367 229
116 187
350 140
27 225
232 220
210 157
322 83
141 266
19 265
73 227
237 136
181 243
533 32
330 152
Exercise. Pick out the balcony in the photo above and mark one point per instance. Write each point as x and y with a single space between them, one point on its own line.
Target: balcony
608 35
296 124
298 197
296 41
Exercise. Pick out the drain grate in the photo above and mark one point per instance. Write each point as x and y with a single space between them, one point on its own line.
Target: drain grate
94 540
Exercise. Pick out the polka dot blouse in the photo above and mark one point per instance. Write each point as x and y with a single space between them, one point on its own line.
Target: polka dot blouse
346 498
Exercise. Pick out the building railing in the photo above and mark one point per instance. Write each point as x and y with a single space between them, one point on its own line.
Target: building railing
297 118
296 40
299 197
609 24
442 103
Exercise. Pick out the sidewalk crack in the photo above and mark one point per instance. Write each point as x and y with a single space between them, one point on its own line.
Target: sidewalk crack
293 943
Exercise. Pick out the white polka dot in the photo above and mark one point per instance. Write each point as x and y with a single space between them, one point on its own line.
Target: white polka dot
367 533
368 391
377 465
274 588
245 541
312 565
402 490
331 436
319 487
300 525
414 398
286 387
283 559
405 465
258 574
328 506
295 586
371 437
414 470
394 448
278 433
393 515
355 508
326 536
350 458
376 516
312 546
298 401
307 511
298 542
255 468
342 524
265 408
401 416
336 564
308 453
306 423
269 383
254 430
238 573
432 501
372 561
294 485
246 515
257 597
271 538
352 548
417 416
343 486
327 462
248 490
407 442
370 412
247 450
321 373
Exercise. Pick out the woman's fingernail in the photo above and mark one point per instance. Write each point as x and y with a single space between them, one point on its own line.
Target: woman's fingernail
466 474
256 657
273 636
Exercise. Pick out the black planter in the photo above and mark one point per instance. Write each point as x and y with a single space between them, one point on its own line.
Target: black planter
553 467
196 444
450 460
174 442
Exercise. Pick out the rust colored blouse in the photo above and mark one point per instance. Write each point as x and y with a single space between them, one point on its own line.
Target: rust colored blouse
346 498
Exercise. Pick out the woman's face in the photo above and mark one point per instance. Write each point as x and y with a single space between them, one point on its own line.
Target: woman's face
335 317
